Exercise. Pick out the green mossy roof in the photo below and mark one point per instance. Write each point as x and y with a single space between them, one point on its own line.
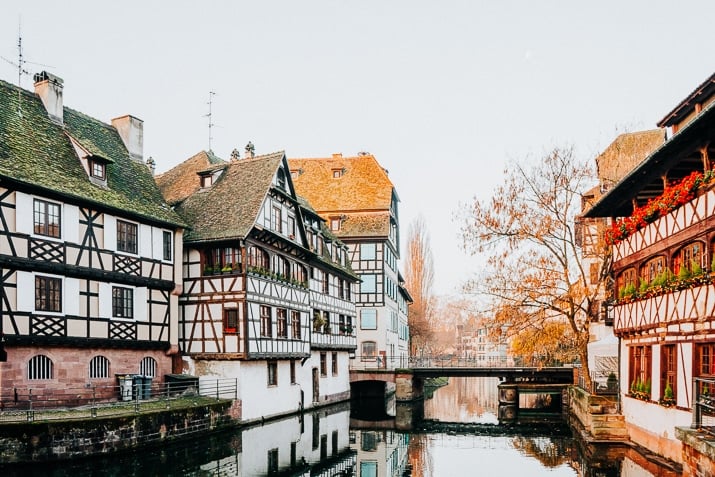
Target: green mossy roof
38 152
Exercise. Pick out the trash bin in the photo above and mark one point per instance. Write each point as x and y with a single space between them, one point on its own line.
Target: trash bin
146 387
137 386
125 387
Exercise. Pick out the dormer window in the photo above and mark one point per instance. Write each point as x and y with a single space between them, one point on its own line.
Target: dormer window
98 168
335 224
206 180
337 173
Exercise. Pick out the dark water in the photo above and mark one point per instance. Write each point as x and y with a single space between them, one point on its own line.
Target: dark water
331 442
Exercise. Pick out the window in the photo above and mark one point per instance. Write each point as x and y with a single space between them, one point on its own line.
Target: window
368 441
291 227
326 283
295 324
46 218
626 279
257 257
639 365
147 367
368 284
281 180
368 349
40 367
335 224
282 322
668 370
48 294
230 320
272 373
341 288
337 173
126 237
368 469
649 271
691 257
323 364
99 367
122 302
368 319
334 443
367 251
206 180
281 267
277 220
167 245
97 169
266 324
222 260
704 359
299 273
334 364
292 372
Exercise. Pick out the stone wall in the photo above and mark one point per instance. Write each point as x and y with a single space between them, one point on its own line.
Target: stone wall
597 415
698 452
50 441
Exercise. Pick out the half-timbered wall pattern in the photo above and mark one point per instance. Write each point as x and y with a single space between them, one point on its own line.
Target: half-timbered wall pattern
77 258
689 214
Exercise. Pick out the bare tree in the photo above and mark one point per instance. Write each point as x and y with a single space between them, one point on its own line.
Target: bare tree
419 278
535 275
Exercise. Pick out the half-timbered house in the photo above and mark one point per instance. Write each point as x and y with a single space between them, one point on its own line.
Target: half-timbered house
663 245
360 204
257 268
88 248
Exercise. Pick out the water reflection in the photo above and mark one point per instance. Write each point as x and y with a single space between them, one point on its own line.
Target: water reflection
383 440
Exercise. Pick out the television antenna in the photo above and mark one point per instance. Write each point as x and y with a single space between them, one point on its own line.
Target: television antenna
210 116
20 65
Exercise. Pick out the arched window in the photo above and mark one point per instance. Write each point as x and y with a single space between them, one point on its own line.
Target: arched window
147 367
299 273
257 257
281 266
281 179
691 256
40 367
99 367
625 279
652 268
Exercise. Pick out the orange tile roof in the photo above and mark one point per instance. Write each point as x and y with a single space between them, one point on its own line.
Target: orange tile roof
362 186
626 152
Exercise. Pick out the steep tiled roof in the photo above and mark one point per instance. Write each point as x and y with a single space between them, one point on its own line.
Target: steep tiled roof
181 181
366 224
700 94
228 208
37 152
363 184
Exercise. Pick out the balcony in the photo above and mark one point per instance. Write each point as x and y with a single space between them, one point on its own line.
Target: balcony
333 336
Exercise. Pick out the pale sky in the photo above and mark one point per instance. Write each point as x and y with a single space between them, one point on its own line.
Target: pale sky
443 93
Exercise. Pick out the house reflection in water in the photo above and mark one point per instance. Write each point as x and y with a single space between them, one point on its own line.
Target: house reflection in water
316 445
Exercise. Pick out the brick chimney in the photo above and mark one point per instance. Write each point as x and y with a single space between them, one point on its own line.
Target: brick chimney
49 88
131 130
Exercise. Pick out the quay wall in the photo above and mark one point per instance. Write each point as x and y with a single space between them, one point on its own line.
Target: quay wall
45 441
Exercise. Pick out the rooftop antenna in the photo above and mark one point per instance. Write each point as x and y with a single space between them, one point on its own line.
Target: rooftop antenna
21 61
211 124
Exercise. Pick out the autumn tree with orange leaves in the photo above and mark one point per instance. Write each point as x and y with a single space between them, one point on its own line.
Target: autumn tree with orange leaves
419 279
535 277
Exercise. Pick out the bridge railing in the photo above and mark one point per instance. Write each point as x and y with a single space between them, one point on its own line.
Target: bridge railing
383 362
704 405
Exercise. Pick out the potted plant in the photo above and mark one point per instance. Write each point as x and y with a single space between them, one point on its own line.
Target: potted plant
668 398
227 268
208 270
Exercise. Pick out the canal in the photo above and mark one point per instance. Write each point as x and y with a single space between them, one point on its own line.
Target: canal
457 432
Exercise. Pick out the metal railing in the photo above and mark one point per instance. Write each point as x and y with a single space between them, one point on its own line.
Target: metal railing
377 362
704 405
130 396
602 383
